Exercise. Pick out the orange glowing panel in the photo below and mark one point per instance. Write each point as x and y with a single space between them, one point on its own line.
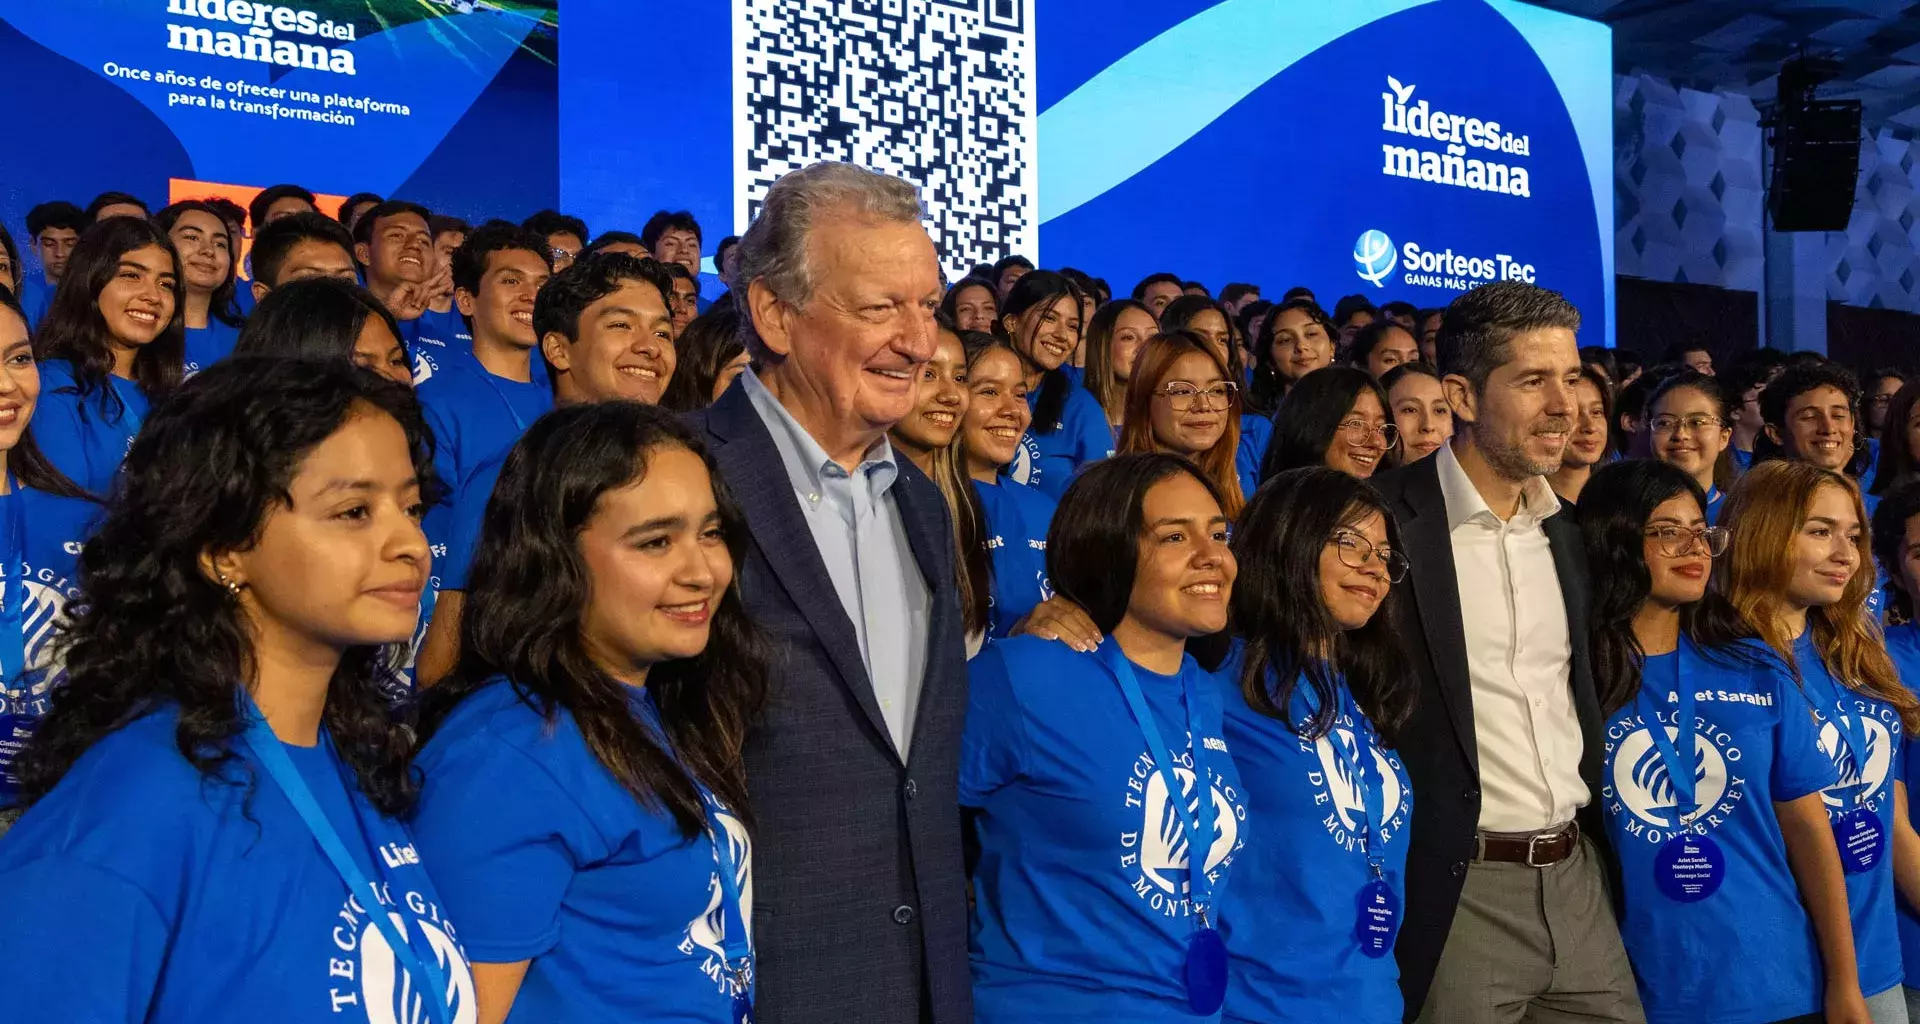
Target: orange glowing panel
186 188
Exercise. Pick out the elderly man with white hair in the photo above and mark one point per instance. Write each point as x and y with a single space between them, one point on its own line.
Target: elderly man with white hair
859 910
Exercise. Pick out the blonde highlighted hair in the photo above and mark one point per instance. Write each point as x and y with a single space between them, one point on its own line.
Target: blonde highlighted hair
1766 510
1150 369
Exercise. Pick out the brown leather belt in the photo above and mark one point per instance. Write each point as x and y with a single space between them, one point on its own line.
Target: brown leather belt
1536 850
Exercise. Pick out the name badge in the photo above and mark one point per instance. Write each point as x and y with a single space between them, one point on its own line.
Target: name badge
1206 971
1860 839
1689 868
1376 918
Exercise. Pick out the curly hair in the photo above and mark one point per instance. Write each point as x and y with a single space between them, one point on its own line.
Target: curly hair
527 601
209 467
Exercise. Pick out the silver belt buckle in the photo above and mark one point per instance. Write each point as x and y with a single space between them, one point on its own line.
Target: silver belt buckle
1533 844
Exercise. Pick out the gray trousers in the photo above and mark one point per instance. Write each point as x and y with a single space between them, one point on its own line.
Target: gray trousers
1534 946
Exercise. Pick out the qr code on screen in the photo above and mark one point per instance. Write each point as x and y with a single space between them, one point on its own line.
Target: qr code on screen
939 92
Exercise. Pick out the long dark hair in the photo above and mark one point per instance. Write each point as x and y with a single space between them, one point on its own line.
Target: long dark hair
316 318
1900 504
527 600
207 468
1898 461
1093 546
220 306
1308 418
74 330
1107 389
1614 508
1179 316
1269 385
1278 612
1039 289
704 348
26 462
949 303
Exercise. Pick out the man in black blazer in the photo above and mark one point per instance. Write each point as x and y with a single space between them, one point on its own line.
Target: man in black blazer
1507 912
859 891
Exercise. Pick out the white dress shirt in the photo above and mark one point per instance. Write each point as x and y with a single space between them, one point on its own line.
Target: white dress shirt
1519 656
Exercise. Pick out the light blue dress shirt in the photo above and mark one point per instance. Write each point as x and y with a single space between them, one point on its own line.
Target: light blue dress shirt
862 538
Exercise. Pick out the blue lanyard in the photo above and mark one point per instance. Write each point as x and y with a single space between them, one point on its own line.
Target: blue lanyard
1853 732
1199 833
1680 753
273 757
1364 771
738 947
13 646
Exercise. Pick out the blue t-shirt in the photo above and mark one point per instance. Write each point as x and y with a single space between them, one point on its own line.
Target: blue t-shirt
1757 746
86 438
210 344
56 527
1716 498
1256 433
442 331
1081 435
35 296
1082 908
543 855
1743 459
1017 520
139 890
1903 643
1870 894
464 522
1289 918
474 415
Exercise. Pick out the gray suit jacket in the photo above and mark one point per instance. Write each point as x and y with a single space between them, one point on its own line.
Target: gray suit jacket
860 902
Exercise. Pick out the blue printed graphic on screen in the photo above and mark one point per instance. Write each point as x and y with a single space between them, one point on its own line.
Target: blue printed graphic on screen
937 91
339 96
1279 187
1374 258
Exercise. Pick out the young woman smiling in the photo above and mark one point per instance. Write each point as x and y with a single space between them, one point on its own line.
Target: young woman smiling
582 774
1296 339
1718 815
1420 410
1010 542
47 517
1040 319
215 803
1183 399
112 344
1799 572
1114 338
1690 421
207 266
1096 785
1590 442
1315 692
927 436
1335 417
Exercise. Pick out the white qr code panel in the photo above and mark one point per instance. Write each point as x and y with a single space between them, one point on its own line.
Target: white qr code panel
939 92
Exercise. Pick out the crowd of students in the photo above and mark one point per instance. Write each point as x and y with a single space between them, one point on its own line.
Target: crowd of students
464 623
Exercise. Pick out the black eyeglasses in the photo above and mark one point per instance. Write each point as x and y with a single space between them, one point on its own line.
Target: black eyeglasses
1678 541
1357 552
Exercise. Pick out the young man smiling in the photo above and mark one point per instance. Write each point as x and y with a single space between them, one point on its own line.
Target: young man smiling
606 334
